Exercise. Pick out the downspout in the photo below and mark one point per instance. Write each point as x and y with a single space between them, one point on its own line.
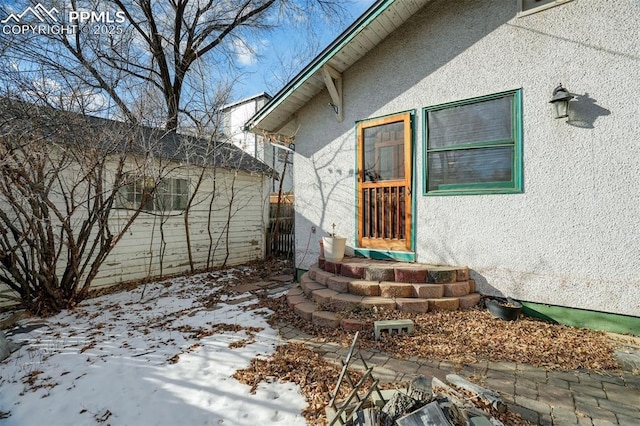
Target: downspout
255 136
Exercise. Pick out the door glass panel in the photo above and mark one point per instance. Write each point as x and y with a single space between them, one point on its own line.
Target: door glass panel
383 152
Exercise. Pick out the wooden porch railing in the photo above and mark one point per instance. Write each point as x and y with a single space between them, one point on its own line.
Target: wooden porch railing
383 213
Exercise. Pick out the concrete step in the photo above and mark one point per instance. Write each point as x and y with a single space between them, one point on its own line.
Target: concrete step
309 286
323 297
305 310
444 304
295 291
320 276
378 302
293 301
410 274
410 304
470 300
339 283
389 289
353 270
313 310
345 301
428 291
456 289
351 324
364 288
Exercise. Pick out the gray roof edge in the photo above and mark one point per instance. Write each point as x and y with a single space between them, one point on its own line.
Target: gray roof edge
171 146
323 57
247 99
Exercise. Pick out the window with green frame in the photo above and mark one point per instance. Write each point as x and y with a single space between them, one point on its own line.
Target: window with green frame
474 146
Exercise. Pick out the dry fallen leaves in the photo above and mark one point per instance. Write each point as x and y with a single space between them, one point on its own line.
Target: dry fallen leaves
294 362
459 337
473 335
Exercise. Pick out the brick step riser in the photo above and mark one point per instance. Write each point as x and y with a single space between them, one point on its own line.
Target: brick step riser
421 274
321 305
359 283
336 302
317 279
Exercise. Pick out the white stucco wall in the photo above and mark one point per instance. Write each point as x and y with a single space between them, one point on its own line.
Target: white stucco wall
572 238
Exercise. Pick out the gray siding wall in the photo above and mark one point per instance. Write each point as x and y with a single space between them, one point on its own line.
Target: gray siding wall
156 245
141 253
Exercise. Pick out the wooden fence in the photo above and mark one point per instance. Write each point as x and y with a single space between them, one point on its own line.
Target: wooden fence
280 236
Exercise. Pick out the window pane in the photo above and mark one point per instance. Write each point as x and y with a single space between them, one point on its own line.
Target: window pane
528 5
181 194
484 121
384 152
469 166
123 196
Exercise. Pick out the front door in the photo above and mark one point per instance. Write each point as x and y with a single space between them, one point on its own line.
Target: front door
384 183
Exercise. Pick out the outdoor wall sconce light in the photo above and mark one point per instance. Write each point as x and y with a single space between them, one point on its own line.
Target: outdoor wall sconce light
560 100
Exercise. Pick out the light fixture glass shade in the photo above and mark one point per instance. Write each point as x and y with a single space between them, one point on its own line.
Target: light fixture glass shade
560 100
561 108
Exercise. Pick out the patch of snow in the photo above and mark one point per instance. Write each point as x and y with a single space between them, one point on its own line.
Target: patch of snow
139 358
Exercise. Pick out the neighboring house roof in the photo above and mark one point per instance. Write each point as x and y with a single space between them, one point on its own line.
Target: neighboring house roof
380 20
263 95
76 129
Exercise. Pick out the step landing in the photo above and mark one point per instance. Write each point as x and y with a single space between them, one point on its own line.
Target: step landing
330 287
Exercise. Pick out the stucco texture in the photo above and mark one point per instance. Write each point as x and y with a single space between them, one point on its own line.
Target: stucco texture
572 237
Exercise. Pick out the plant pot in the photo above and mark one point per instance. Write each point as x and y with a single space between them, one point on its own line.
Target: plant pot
509 311
334 248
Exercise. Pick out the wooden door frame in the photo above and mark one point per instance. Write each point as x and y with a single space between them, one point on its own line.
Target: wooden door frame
406 245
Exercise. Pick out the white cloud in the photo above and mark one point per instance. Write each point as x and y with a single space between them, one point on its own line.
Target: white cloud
245 55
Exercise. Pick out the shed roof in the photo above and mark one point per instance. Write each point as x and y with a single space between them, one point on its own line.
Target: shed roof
369 30
77 130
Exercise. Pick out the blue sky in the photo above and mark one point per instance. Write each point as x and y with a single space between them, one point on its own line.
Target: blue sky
259 67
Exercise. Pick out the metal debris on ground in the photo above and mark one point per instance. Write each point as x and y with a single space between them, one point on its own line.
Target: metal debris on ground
338 412
425 402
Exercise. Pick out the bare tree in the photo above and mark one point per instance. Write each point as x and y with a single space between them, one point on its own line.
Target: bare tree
290 62
61 173
156 48
60 176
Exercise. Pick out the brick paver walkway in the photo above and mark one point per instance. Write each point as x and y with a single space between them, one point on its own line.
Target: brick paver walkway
539 396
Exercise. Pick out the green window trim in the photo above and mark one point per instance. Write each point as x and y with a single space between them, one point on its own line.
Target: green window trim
400 256
470 150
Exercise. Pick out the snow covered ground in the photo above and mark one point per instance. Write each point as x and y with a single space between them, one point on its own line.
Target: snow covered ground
162 357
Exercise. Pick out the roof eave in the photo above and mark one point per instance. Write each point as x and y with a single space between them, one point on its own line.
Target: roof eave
253 125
